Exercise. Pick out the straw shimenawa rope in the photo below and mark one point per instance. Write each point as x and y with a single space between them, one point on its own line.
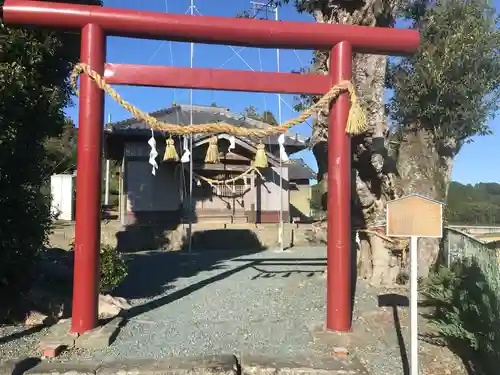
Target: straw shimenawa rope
400 243
356 123
229 180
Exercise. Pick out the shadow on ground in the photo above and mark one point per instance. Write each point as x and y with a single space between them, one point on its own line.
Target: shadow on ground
151 273
394 301
24 365
273 267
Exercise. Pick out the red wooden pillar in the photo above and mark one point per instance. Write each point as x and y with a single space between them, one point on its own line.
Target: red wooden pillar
338 312
88 184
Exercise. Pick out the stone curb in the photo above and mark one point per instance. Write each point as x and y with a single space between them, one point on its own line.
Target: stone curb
206 365
300 365
202 365
68 368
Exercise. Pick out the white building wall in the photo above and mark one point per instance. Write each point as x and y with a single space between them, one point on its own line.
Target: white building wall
270 190
148 192
61 188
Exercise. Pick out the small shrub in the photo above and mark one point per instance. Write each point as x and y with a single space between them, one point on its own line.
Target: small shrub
113 268
466 314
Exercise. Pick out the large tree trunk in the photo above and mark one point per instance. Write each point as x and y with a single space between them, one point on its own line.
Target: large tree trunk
373 171
425 168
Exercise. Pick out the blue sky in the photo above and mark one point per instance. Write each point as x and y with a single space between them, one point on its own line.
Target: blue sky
469 166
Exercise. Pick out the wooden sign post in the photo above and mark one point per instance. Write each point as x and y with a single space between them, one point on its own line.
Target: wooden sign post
414 216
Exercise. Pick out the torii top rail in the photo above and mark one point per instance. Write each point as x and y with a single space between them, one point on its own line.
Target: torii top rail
213 30
98 22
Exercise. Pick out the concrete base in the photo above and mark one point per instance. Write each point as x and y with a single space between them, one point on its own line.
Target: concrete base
100 337
338 342
57 339
60 337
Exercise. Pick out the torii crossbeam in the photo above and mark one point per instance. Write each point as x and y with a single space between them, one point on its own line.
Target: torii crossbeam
97 22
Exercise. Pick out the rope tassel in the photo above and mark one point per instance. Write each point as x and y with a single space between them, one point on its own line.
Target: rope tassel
212 155
356 122
170 151
260 157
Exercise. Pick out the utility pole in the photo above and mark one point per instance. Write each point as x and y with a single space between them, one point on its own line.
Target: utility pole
106 188
192 8
257 7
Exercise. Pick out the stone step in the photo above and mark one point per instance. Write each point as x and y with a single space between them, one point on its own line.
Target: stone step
265 234
200 365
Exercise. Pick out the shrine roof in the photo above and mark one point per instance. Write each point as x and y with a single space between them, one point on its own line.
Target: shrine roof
299 170
180 114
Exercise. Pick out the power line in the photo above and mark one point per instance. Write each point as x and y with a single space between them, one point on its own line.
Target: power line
256 10
170 52
237 52
266 6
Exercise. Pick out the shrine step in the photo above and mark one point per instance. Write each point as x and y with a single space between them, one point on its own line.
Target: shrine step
225 218
240 219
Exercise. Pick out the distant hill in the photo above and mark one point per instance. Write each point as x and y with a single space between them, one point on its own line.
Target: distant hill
477 204
473 204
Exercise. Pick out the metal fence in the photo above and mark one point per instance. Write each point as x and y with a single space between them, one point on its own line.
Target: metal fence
459 245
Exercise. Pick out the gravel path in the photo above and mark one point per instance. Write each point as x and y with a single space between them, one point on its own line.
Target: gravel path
17 341
254 303
259 303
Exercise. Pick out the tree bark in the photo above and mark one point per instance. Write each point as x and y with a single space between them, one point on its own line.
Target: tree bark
424 168
373 171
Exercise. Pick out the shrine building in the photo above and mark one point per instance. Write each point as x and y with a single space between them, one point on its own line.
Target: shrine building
164 197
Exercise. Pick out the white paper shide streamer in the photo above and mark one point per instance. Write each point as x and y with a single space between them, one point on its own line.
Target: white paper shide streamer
186 154
232 143
281 141
153 153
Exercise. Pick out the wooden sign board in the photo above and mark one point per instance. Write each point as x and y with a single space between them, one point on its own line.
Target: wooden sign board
416 216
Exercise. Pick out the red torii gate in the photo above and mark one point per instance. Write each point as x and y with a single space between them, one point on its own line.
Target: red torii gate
98 22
